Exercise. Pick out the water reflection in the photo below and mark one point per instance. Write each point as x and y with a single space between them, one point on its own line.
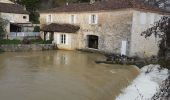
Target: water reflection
60 75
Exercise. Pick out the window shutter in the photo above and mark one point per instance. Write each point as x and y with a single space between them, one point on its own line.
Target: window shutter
96 21
143 18
75 19
58 38
46 18
67 39
48 36
152 19
124 48
90 19
70 19
51 18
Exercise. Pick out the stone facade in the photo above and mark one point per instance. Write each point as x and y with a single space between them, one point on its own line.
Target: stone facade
141 46
14 18
112 28
15 14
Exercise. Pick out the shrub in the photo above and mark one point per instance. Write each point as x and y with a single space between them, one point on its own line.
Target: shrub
35 40
7 41
36 29
47 42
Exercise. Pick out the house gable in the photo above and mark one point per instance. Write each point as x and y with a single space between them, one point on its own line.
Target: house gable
12 8
109 5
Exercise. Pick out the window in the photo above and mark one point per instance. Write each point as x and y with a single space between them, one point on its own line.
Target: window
63 39
143 18
49 18
152 19
72 19
93 19
24 17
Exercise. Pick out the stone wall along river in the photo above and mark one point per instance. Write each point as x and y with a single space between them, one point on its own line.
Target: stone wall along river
24 47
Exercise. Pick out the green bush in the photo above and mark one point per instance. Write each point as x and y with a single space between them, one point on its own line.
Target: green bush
36 29
35 40
7 41
47 42
32 40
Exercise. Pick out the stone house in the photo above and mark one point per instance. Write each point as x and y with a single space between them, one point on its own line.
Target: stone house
112 26
17 16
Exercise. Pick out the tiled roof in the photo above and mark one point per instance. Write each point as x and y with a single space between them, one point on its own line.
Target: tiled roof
12 8
104 5
64 28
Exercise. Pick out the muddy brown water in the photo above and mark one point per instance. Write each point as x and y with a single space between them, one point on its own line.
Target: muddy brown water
61 75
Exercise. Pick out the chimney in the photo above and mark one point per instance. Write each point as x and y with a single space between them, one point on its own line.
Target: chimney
67 3
92 1
24 7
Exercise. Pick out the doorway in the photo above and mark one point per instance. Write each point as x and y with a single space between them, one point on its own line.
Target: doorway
93 41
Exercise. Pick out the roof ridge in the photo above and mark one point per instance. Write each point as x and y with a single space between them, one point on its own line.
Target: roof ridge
12 8
106 5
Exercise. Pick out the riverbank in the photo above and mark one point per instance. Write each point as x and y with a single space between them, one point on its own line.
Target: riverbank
151 84
26 47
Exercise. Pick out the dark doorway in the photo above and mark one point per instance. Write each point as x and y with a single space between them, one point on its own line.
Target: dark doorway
93 41
15 28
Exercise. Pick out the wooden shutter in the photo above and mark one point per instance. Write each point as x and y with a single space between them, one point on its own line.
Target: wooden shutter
58 38
70 19
90 19
143 18
152 19
124 48
68 39
46 18
51 18
96 21
75 19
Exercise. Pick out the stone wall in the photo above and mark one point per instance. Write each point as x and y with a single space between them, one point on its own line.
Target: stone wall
141 46
14 18
112 27
24 47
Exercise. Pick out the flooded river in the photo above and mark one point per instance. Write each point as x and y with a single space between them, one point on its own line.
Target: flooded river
61 75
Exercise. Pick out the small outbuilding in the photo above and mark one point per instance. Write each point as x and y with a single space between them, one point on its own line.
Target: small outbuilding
63 35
